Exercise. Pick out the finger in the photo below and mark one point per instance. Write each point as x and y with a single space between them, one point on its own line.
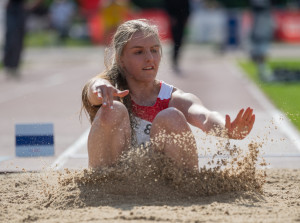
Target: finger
97 93
110 98
239 116
251 122
104 96
227 122
121 94
96 88
247 115
249 127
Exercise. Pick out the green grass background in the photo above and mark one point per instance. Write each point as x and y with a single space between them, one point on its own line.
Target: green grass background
286 96
50 38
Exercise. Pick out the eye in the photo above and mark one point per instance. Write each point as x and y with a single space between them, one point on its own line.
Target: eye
138 52
155 50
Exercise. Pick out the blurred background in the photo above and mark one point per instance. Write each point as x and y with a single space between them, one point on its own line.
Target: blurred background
89 22
214 49
248 25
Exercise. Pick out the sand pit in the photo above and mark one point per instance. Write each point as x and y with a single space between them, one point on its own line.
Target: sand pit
30 197
146 187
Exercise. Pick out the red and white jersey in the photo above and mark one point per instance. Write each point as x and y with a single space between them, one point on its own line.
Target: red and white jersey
145 114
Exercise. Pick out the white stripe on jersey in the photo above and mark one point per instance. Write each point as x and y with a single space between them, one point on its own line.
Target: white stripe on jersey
165 91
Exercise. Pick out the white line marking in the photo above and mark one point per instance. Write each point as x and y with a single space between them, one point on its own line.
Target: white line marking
79 156
3 158
281 120
62 159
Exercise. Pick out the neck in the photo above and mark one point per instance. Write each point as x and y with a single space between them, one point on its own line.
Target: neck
144 92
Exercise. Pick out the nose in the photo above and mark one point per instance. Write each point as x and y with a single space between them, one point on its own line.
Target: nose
148 56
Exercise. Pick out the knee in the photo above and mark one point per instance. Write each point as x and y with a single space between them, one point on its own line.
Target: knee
171 117
108 116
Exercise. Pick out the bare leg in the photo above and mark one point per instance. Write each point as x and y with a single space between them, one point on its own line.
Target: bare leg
109 136
178 141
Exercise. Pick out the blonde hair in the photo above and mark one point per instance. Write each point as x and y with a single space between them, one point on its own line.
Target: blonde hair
113 71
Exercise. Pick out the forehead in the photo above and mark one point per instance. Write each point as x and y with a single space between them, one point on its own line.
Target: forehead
143 40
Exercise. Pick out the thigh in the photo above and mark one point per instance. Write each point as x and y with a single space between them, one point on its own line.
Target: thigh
109 136
172 135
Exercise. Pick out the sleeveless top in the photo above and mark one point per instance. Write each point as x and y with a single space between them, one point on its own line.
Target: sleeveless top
145 115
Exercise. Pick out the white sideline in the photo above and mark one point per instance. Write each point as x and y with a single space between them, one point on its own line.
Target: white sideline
281 120
62 159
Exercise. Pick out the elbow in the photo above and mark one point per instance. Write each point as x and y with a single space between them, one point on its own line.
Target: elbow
214 123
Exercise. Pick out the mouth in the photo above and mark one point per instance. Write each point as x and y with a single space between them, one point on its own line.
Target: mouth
149 68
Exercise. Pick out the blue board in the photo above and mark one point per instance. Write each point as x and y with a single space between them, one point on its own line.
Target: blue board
34 140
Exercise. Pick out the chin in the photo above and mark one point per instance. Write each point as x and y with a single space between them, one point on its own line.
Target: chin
148 79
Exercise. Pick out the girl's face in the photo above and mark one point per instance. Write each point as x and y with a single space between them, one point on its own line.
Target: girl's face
141 57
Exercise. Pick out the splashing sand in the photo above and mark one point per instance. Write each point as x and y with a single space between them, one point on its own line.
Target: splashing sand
146 186
144 174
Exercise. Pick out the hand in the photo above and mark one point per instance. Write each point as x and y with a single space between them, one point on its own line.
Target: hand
106 93
242 125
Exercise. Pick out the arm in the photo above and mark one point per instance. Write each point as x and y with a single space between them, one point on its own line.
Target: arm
210 121
100 91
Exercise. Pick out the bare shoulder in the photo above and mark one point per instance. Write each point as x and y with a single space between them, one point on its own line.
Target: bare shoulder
181 97
178 93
